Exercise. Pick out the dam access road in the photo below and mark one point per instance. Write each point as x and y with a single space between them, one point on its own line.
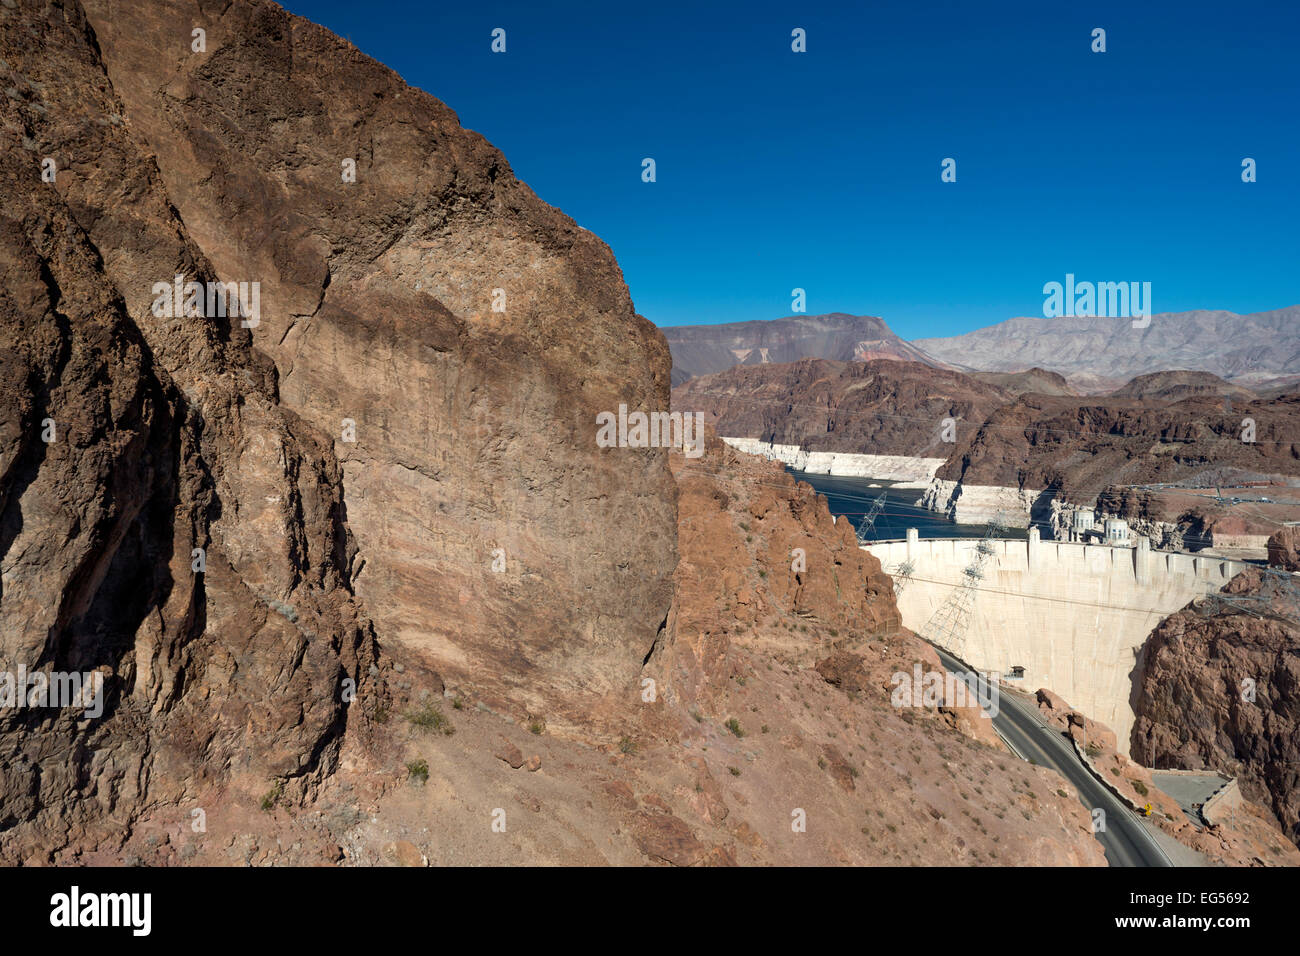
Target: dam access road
1125 839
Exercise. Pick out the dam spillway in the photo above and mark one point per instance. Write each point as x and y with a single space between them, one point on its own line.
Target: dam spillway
1073 616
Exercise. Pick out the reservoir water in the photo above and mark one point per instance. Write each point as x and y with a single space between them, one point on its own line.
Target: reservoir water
852 497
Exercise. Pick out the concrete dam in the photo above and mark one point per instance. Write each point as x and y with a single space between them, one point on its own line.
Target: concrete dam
1073 616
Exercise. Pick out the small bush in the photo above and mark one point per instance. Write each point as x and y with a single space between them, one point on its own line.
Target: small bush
273 796
1140 787
627 745
734 726
418 770
431 717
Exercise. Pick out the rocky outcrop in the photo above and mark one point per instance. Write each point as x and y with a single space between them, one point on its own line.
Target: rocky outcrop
165 522
1177 385
1218 688
872 408
1078 447
1073 450
1284 548
452 337
225 514
1038 380
705 349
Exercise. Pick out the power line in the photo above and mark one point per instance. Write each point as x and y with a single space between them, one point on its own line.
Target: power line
1039 597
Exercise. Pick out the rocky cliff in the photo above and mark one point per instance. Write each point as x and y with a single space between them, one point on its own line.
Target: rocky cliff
222 512
165 522
395 310
878 407
1218 686
1176 385
1081 446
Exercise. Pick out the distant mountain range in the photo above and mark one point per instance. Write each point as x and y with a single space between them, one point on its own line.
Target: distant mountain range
704 349
1088 355
1100 354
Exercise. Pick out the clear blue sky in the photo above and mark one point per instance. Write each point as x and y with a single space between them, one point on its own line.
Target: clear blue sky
822 170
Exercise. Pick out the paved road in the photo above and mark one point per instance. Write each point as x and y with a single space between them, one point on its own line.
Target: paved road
1125 841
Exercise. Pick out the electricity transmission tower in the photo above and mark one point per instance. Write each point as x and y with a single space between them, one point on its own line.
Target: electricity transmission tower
902 574
1277 597
948 625
869 521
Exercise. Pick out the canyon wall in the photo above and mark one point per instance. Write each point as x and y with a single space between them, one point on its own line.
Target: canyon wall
238 520
465 434
1219 688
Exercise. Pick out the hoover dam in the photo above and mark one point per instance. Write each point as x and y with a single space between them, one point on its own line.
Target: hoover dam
1069 617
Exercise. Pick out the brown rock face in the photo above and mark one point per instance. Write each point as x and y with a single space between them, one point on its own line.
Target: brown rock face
1081 446
371 443
1221 689
759 547
1284 548
464 334
1177 385
878 407
130 442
